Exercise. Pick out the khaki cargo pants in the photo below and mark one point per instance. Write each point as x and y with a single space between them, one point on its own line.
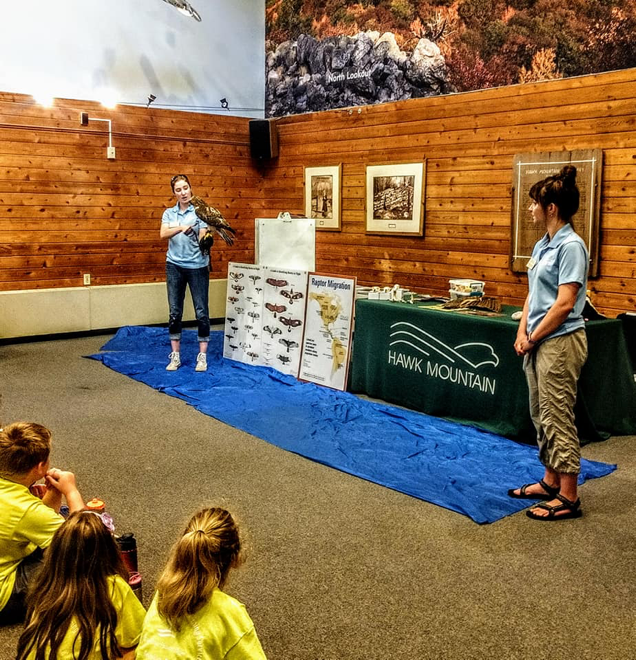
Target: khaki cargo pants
552 371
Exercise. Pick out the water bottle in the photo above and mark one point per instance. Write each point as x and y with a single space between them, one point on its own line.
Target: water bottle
99 506
96 505
128 550
134 581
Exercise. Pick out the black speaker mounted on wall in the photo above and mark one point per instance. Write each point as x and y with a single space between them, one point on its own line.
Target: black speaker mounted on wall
263 139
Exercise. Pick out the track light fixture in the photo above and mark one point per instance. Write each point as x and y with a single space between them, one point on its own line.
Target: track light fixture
151 99
224 104
185 8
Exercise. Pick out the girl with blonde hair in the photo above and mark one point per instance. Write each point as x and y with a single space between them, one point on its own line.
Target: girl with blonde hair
80 606
190 616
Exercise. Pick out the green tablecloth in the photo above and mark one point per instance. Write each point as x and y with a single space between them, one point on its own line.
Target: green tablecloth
464 368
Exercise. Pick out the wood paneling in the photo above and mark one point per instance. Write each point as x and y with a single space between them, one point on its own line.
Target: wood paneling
66 210
469 141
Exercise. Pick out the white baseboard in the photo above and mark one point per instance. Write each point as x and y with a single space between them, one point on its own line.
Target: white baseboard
55 311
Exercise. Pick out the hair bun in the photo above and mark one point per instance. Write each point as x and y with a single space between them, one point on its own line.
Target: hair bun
568 175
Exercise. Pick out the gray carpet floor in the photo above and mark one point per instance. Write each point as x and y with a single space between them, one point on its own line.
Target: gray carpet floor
337 568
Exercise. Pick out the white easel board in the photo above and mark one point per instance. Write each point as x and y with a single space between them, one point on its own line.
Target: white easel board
286 243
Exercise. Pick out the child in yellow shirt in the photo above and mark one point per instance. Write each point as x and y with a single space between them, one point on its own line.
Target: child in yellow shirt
190 617
30 511
80 604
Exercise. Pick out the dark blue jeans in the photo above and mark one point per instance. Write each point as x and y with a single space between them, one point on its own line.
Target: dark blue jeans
15 609
198 279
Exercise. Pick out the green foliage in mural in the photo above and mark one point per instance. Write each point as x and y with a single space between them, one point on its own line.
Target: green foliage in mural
403 9
485 43
290 21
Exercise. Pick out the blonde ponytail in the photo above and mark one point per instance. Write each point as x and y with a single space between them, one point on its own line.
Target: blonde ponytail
199 563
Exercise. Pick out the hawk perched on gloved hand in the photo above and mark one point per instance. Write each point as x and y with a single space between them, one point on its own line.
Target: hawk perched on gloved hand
216 224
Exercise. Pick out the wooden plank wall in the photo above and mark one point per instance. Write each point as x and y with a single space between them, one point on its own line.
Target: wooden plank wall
66 210
469 141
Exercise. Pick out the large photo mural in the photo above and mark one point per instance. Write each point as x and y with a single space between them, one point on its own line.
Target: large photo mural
324 54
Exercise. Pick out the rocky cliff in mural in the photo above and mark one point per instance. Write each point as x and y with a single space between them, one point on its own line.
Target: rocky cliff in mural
326 54
309 75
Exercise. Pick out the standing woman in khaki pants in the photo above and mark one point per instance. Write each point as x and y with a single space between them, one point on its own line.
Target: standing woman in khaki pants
552 340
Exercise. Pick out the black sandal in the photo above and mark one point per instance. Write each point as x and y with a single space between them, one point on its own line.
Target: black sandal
550 492
572 509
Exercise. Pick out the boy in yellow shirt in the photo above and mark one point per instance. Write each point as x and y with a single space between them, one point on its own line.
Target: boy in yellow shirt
30 511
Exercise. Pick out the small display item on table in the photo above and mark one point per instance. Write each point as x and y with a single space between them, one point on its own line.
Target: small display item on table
395 293
362 292
465 288
380 293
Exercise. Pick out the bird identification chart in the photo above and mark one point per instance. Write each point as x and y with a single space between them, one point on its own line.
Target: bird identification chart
285 295
328 325
243 313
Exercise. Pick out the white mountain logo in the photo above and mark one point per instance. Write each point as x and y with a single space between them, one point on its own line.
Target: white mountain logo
473 354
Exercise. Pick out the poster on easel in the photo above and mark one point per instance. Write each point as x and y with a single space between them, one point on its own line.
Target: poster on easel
243 313
326 348
285 295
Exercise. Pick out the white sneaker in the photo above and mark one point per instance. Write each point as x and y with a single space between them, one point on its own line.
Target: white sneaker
175 361
202 362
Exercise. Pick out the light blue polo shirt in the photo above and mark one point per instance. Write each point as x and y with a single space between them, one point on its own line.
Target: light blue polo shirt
184 250
562 260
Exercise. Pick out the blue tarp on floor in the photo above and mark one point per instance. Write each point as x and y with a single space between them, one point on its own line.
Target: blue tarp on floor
458 467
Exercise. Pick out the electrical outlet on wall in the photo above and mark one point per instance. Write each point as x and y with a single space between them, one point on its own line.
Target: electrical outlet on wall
87 279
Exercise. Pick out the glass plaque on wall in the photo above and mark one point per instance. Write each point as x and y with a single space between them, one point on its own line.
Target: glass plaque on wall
533 167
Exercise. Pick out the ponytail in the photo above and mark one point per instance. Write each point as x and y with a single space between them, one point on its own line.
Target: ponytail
560 190
199 563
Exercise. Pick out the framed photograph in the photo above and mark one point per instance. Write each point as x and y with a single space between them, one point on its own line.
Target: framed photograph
322 196
393 197
532 167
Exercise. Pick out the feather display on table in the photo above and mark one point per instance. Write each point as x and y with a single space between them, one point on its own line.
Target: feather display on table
216 223
479 303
